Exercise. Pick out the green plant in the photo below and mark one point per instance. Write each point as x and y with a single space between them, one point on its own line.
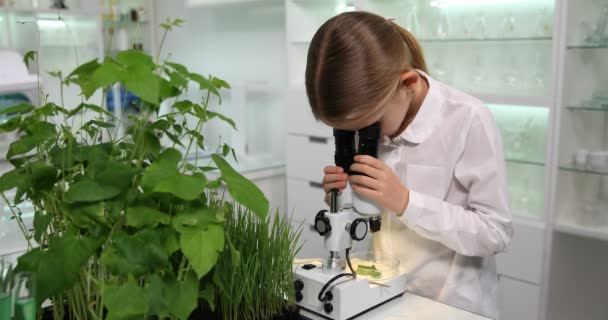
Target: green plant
123 228
253 273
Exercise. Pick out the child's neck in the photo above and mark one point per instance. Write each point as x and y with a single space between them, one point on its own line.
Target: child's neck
420 90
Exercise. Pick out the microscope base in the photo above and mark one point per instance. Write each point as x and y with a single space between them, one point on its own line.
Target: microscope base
351 297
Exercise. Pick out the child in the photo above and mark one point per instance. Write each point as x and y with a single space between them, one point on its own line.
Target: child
441 173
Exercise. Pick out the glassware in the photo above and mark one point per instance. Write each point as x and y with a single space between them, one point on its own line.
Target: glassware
543 23
510 76
481 26
597 33
25 296
478 76
538 76
411 20
443 25
508 26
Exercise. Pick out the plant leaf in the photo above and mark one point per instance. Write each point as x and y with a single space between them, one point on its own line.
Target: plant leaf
11 124
29 56
169 296
163 177
141 216
195 217
208 294
41 224
226 150
219 83
91 107
241 189
183 106
202 247
58 268
89 190
20 108
182 296
136 254
212 115
204 83
135 57
128 300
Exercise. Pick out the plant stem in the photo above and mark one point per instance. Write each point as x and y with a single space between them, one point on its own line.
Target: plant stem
20 223
160 47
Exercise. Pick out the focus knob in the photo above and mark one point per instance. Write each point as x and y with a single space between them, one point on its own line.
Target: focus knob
298 285
322 225
358 229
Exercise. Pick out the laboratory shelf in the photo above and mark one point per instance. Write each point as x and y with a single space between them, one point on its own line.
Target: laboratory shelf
51 12
588 46
517 100
485 40
525 162
601 107
600 233
578 169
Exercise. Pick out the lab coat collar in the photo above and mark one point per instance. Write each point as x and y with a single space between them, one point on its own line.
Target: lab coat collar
424 123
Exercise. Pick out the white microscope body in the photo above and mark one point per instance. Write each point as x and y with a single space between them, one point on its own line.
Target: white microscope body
333 291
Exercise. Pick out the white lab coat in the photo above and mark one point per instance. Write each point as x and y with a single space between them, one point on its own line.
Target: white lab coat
458 217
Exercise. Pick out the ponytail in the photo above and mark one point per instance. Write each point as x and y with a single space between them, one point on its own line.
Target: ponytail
417 57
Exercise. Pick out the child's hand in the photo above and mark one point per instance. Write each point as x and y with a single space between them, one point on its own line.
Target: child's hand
334 178
380 185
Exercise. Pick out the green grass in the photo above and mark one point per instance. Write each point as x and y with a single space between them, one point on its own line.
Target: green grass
254 273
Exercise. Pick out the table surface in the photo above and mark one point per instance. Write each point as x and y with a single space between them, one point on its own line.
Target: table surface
411 306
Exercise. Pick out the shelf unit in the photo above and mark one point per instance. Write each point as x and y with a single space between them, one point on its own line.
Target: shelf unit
578 215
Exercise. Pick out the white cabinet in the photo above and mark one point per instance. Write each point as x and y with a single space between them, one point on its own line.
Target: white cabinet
518 300
308 155
524 257
300 119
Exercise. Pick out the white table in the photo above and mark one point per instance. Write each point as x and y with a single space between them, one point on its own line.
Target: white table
411 306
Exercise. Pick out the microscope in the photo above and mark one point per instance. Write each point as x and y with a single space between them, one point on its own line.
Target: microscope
334 289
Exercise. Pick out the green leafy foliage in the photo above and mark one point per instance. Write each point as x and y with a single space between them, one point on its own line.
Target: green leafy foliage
126 301
57 269
29 56
163 177
243 190
124 227
202 247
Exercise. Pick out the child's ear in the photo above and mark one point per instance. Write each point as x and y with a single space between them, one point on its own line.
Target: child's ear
409 78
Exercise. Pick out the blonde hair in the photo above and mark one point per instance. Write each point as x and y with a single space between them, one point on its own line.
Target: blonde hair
354 64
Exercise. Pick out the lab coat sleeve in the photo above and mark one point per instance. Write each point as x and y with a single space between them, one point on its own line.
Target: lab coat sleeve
484 227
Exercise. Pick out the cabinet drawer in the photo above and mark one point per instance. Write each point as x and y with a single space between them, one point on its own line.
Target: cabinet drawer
304 199
518 300
308 155
524 257
300 119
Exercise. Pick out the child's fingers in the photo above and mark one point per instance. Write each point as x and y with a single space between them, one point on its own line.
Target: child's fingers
333 169
329 178
366 169
335 185
368 193
365 181
370 161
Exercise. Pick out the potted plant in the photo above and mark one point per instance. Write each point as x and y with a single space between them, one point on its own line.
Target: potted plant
126 229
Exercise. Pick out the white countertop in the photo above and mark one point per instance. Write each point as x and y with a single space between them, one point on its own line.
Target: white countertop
412 307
